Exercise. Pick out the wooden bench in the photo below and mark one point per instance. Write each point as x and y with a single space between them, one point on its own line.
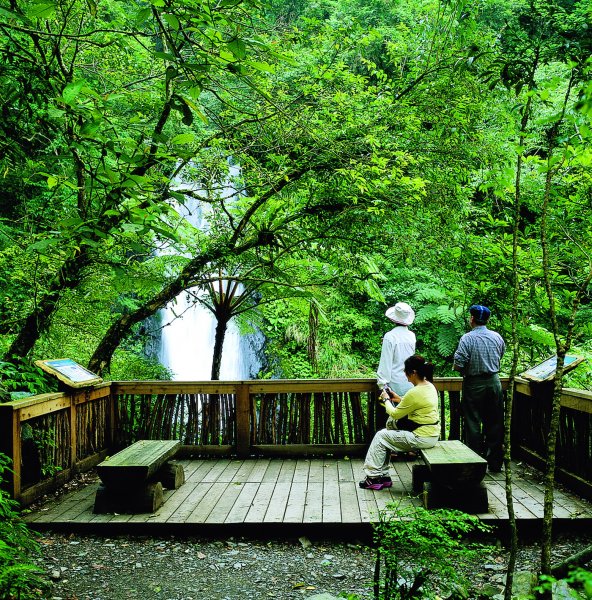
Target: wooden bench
451 477
134 479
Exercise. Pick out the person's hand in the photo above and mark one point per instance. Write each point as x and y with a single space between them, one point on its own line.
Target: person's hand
395 398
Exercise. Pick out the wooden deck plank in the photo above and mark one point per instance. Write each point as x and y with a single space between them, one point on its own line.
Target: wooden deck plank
273 471
57 510
350 509
191 503
405 475
315 473
216 471
286 474
197 474
313 507
246 468
258 472
224 505
344 467
297 500
301 471
497 489
178 499
260 502
331 493
367 504
148 517
230 471
307 491
207 503
79 510
278 503
496 507
243 503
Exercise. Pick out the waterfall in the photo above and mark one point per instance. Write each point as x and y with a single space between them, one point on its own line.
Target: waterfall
188 328
187 344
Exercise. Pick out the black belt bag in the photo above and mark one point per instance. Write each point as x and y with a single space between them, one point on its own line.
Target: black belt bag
406 424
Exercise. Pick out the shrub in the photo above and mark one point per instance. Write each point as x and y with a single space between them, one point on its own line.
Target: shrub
418 549
19 577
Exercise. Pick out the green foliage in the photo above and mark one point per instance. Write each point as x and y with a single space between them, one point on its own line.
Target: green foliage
418 550
21 376
375 156
579 580
19 577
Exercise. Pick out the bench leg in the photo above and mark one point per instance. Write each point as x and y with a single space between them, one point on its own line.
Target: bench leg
470 499
171 475
419 475
147 499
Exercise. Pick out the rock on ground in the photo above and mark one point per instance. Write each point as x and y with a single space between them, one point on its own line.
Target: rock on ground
91 567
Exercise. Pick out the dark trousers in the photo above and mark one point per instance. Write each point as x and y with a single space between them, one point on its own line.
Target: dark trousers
483 411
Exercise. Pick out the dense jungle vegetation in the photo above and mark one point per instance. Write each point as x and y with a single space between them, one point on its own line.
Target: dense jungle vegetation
437 153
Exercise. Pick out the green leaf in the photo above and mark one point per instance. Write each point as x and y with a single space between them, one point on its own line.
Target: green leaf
90 128
143 15
238 48
261 66
72 90
172 21
41 10
183 139
42 245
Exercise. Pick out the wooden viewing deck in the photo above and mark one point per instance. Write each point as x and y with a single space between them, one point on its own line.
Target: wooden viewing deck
278 496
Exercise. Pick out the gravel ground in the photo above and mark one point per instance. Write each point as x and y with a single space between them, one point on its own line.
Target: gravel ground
91 567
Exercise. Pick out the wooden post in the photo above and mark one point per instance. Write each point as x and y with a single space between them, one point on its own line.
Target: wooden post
455 416
243 425
16 454
73 427
110 437
442 396
10 445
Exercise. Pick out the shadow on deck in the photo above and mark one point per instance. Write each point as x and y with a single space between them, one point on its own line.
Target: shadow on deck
286 497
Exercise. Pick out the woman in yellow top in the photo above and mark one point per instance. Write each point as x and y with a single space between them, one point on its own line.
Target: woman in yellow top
412 424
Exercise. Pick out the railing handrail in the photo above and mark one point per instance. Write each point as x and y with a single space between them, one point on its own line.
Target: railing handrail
17 412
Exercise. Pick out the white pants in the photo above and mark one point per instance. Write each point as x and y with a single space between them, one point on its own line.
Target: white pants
388 440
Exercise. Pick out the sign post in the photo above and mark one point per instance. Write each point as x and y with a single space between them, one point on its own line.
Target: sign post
545 371
69 372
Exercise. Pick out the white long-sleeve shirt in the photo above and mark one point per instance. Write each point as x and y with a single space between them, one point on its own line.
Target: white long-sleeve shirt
397 345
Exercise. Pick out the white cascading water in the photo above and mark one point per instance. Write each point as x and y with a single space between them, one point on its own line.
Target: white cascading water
188 329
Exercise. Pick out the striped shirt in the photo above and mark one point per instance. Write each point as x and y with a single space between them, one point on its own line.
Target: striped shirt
479 352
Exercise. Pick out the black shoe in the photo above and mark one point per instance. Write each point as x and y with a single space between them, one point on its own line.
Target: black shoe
376 483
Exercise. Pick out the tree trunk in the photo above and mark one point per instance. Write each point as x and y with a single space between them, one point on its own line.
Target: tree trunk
579 559
38 320
101 359
221 328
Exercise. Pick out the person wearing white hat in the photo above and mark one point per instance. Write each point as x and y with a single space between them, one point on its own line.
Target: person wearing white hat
397 345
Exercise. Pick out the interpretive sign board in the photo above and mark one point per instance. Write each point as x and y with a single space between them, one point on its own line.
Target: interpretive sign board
545 371
69 372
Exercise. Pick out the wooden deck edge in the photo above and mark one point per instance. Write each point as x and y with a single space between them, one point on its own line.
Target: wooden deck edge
348 532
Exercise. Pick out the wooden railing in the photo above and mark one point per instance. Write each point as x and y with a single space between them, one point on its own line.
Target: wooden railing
52 437
530 424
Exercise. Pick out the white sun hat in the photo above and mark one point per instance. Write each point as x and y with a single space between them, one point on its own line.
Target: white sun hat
401 313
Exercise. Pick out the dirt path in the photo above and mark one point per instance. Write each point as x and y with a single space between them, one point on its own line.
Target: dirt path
125 567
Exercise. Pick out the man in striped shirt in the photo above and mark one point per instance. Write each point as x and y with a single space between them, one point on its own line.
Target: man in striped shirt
478 358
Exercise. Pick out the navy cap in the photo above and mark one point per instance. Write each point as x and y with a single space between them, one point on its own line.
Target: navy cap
481 313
